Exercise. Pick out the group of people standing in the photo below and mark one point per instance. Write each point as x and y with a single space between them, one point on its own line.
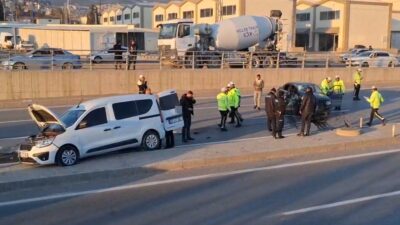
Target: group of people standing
118 51
228 101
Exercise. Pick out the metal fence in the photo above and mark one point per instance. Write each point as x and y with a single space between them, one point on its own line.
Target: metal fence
105 59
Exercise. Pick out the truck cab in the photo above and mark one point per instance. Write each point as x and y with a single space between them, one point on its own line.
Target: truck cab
175 38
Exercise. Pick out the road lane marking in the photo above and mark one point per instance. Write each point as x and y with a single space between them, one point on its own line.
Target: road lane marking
15 121
200 177
341 203
13 138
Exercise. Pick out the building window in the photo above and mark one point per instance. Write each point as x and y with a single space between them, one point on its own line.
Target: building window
127 16
111 19
105 19
159 18
135 15
206 12
302 17
229 10
188 14
119 18
172 16
329 15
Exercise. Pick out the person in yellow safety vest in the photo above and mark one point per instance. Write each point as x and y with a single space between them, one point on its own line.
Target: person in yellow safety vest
338 89
223 107
357 78
234 101
375 101
326 86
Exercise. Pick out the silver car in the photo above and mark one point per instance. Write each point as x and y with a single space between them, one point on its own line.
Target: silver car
44 58
107 56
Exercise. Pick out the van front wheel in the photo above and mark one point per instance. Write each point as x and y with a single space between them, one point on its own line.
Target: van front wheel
67 155
151 141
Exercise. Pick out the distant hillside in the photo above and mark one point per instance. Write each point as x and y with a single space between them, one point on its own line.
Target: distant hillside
91 2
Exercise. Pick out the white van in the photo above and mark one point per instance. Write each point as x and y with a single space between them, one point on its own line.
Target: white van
96 127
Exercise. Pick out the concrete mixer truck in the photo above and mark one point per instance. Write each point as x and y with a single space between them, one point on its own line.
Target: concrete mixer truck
253 38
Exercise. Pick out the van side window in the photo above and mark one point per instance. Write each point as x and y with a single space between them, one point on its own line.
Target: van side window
125 110
95 117
144 106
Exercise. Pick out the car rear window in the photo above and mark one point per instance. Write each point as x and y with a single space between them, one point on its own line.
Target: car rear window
169 102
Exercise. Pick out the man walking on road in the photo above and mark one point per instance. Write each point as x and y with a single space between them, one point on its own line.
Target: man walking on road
270 109
375 101
307 110
258 89
280 113
187 101
357 78
223 107
132 55
234 103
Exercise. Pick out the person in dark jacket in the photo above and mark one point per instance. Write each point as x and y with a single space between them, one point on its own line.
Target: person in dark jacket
142 85
169 139
270 109
307 110
280 113
187 101
132 55
118 55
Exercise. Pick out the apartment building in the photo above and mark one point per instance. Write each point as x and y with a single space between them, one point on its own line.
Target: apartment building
337 25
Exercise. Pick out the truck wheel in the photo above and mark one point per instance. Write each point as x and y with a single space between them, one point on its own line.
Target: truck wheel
255 62
214 62
268 62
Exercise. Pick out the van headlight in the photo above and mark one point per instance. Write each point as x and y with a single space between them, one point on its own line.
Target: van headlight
328 103
44 143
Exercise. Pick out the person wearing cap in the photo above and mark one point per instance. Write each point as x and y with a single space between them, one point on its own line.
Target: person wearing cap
326 86
270 109
375 101
234 103
307 110
280 113
223 107
357 78
187 101
142 84
258 85
338 91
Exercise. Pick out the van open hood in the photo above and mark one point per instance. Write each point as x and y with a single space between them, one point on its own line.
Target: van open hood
43 116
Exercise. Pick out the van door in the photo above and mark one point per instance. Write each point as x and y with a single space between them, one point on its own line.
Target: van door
126 124
94 132
171 111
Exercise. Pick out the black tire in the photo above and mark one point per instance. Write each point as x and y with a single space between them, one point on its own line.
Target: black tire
268 62
68 66
256 62
67 155
390 64
151 141
97 60
365 64
214 62
19 66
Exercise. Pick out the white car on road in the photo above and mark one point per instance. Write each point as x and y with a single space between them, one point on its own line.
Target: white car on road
107 56
99 126
373 59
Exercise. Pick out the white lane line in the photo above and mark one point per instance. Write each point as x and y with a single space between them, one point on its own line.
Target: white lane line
341 203
15 121
13 138
193 178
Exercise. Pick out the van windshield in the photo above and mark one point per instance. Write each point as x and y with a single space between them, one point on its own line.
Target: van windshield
71 116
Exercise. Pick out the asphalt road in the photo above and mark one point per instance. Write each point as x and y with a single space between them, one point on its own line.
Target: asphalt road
16 123
349 190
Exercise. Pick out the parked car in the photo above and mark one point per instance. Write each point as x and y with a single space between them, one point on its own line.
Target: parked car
352 53
44 58
99 126
107 56
373 59
294 93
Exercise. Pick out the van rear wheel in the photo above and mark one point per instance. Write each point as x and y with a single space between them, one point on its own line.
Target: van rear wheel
151 141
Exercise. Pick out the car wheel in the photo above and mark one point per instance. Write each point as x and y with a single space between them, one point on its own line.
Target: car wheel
67 155
151 141
97 59
19 66
68 66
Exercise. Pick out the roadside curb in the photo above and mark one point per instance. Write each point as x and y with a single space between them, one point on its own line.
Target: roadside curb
202 163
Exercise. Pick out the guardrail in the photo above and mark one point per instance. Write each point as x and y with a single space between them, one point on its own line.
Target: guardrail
141 60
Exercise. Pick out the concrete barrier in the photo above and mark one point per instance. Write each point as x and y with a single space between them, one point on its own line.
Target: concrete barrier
23 85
